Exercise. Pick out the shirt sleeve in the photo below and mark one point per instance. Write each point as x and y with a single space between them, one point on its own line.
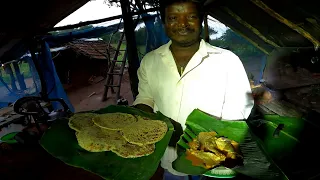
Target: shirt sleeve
238 101
144 89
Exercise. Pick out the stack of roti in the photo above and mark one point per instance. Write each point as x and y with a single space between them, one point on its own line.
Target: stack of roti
126 135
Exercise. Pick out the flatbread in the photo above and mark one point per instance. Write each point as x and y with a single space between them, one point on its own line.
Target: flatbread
145 132
134 151
81 120
114 121
96 139
141 117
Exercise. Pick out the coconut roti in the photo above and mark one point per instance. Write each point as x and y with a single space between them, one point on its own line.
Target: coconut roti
141 117
80 121
114 121
145 132
96 139
133 151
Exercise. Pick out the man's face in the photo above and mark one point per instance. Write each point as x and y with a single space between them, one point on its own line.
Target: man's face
182 23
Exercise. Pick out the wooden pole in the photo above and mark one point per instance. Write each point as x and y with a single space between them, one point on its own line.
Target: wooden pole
133 58
206 29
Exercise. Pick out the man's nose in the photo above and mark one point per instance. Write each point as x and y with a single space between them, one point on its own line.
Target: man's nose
183 22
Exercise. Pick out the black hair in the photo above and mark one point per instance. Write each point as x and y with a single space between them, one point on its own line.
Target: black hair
165 3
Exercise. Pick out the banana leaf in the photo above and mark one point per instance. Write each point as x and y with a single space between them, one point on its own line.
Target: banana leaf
256 163
60 141
290 142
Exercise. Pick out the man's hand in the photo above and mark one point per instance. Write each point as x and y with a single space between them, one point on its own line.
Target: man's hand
261 95
144 107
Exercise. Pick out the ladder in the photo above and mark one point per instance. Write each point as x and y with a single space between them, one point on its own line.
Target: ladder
111 72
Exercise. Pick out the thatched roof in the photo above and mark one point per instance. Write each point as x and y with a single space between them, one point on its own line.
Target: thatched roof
93 49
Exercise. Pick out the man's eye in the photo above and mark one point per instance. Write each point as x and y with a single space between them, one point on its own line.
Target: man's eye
172 18
193 17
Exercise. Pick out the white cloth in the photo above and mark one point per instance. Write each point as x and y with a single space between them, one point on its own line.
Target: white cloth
214 81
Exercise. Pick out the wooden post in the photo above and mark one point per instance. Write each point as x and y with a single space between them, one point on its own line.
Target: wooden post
133 58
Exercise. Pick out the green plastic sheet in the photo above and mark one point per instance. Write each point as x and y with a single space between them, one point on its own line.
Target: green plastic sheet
60 141
256 163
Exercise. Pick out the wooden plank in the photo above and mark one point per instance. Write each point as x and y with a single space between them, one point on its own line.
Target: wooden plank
241 30
264 110
285 21
253 29
285 70
281 108
307 97
5 111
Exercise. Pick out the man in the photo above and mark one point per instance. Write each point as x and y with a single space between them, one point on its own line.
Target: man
187 73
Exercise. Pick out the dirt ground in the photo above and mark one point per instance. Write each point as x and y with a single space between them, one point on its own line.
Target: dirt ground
81 101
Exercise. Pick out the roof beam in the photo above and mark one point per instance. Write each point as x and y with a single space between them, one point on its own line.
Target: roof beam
253 29
285 21
241 30
99 20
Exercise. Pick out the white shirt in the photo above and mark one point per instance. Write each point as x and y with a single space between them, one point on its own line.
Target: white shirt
213 81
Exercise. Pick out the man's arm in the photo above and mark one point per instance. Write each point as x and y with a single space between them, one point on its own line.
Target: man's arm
144 100
238 98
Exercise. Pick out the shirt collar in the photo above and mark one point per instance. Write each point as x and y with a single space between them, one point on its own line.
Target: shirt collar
204 49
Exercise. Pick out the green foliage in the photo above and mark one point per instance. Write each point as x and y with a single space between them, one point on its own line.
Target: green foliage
141 36
24 69
236 44
113 39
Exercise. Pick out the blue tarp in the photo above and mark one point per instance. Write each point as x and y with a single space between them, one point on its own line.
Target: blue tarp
60 39
53 84
17 80
155 38
156 35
